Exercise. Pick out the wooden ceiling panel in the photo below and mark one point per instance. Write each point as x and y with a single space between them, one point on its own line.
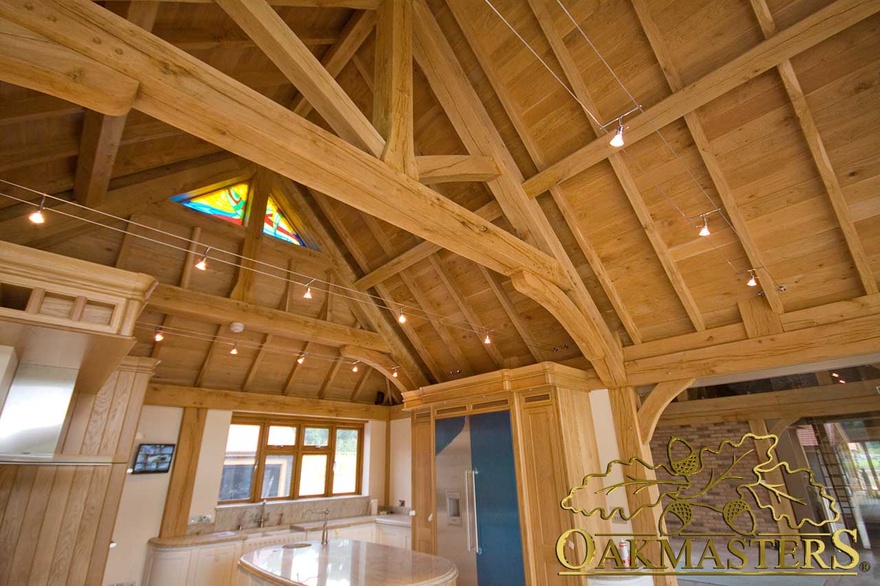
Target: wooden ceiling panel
226 371
182 355
615 31
705 34
788 12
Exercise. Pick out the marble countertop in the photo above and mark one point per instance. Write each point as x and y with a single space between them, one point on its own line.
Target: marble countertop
347 562
225 536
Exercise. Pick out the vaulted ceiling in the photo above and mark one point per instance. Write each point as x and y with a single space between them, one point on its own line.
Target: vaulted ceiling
502 211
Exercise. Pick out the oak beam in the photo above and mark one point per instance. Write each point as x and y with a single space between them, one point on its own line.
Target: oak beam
562 308
710 160
181 396
215 107
35 62
258 199
832 341
491 212
367 312
857 397
203 39
211 308
379 362
393 85
183 475
819 154
659 398
806 33
299 65
353 35
436 169
102 134
758 319
474 126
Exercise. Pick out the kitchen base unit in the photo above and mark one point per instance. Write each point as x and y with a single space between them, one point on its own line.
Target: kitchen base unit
345 561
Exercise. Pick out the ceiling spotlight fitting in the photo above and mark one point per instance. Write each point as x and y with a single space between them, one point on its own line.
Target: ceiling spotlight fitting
355 367
37 216
400 317
394 373
704 231
487 339
753 279
617 139
835 375
203 262
301 359
159 336
308 293
234 350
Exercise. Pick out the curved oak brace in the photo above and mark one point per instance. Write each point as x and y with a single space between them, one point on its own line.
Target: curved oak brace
380 362
563 309
661 396
33 61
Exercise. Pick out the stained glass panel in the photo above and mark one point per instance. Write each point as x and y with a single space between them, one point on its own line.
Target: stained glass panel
275 224
227 204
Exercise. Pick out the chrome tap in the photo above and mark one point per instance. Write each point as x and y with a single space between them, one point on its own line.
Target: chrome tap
326 513
263 518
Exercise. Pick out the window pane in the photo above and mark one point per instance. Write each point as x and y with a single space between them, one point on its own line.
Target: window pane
314 474
282 435
345 461
238 467
317 437
276 476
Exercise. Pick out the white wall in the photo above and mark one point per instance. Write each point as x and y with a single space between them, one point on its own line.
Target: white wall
143 500
603 424
207 483
373 482
401 462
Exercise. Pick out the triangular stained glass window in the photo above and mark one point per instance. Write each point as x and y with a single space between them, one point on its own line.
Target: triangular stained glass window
230 204
275 224
227 204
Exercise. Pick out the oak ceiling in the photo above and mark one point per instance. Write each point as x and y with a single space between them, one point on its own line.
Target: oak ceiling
766 117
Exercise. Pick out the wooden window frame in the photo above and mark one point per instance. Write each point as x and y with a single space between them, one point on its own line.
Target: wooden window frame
298 451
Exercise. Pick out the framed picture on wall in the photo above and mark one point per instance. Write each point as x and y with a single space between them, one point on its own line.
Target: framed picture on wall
153 458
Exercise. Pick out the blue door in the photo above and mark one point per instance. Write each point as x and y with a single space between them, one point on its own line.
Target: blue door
499 560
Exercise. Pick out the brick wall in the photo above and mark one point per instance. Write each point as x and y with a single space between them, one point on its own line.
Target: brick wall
710 436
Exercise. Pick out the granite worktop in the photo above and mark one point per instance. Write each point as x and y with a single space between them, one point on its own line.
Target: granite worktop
353 563
227 536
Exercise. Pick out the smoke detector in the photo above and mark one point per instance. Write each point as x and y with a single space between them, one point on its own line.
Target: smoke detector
236 327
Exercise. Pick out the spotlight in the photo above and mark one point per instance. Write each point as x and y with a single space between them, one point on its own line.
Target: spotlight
301 359
203 262
355 367
400 317
704 231
308 293
835 375
159 336
617 140
487 340
394 374
234 350
753 279
37 216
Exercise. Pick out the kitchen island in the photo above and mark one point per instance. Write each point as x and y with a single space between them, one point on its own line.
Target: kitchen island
344 562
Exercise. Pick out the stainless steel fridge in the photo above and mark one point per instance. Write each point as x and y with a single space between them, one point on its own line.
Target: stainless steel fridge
478 525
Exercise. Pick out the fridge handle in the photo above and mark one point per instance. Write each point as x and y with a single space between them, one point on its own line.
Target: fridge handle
467 513
476 520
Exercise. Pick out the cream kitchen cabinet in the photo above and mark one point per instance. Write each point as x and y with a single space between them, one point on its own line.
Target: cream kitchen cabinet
394 535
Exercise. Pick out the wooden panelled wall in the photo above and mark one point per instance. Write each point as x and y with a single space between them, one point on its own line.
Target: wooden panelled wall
57 521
